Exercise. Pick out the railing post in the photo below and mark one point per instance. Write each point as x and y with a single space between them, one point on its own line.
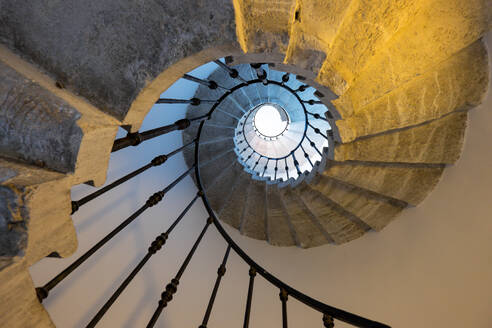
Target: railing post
252 274
172 287
283 298
220 273
328 321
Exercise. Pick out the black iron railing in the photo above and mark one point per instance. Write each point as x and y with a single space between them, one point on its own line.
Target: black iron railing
327 313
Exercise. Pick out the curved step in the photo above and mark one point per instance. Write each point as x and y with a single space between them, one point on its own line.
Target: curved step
415 48
437 142
232 211
458 83
374 210
410 183
308 232
253 220
279 231
341 226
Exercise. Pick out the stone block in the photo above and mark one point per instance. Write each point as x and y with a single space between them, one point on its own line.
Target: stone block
338 224
233 210
436 142
308 232
264 25
374 210
458 83
407 182
35 126
366 26
253 223
440 29
279 232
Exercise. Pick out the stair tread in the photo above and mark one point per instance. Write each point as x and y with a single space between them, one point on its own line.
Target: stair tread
375 211
336 222
253 221
232 211
278 231
307 233
409 183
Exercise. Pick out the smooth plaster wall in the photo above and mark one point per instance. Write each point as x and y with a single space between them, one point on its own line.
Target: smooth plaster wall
431 267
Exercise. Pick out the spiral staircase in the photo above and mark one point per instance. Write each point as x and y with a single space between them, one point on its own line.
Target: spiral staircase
382 89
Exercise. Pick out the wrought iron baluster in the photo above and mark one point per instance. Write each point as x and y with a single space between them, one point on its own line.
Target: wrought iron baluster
136 138
302 88
232 71
283 298
285 78
192 101
257 162
306 155
318 131
220 273
154 247
328 321
43 292
266 166
247 312
172 287
276 169
208 83
156 161
296 163
312 102
312 144
286 168
317 116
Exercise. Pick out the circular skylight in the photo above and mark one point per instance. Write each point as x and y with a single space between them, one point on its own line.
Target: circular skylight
271 120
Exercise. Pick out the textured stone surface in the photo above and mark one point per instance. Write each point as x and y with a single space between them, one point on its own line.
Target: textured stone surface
253 223
372 209
437 142
13 225
264 25
279 230
20 305
219 190
36 126
209 172
440 29
409 183
233 210
366 27
308 232
458 83
339 225
305 52
107 51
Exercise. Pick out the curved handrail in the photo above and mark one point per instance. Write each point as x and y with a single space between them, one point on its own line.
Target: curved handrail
336 313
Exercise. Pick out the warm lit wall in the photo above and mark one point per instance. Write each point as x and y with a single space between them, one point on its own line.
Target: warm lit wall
431 267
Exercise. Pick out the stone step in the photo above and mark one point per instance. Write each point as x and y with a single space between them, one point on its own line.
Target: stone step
373 209
436 142
279 231
458 83
410 183
340 225
356 41
211 169
253 221
218 191
308 232
261 29
417 47
232 211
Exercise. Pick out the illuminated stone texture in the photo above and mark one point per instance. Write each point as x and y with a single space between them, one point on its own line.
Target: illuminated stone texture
458 83
437 142
408 183
440 29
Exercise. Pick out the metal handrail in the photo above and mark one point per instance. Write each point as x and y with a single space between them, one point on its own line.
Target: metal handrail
323 308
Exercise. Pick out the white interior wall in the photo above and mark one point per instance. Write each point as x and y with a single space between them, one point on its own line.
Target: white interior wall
431 267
